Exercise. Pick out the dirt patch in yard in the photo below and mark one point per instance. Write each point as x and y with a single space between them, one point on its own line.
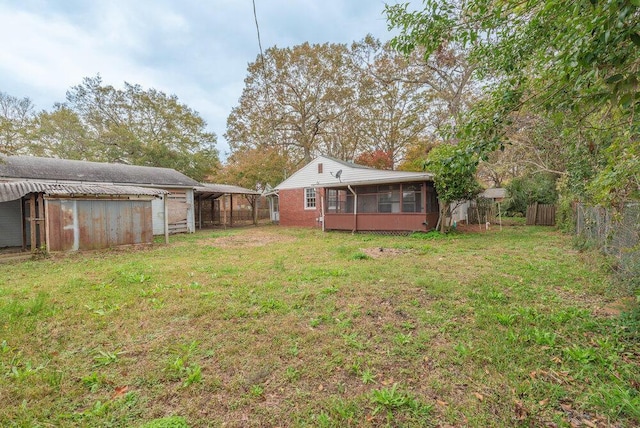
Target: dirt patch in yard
614 309
379 252
244 240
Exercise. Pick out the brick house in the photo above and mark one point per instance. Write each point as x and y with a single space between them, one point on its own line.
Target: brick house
336 195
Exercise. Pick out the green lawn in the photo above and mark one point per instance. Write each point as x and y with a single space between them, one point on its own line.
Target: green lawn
284 327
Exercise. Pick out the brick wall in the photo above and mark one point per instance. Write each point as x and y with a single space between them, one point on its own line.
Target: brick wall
292 212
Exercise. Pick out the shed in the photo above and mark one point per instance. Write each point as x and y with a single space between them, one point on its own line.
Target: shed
179 187
67 217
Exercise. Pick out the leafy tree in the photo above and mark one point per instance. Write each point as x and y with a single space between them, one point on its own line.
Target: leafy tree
393 108
528 189
534 143
254 168
16 124
131 125
376 159
454 168
291 97
578 59
61 133
330 99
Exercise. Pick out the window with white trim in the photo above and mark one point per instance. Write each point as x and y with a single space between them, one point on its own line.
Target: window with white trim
309 198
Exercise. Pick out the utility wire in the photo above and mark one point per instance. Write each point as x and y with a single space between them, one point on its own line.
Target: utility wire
264 67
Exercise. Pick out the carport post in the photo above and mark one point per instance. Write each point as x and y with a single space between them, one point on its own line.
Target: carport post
165 198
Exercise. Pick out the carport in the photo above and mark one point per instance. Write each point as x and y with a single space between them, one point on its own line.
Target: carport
212 199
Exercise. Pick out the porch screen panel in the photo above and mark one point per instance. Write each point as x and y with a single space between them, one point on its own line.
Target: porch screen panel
412 199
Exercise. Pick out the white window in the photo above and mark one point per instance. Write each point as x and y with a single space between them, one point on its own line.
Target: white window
309 198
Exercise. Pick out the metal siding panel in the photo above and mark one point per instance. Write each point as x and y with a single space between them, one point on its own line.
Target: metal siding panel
10 224
147 224
70 231
54 225
191 217
99 223
158 215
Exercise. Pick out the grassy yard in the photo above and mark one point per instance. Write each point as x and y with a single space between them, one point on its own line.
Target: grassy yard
290 327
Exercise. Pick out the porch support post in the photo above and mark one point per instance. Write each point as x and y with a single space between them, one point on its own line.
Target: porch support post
41 230
165 198
23 220
33 222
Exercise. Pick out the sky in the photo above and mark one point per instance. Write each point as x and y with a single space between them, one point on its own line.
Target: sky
197 50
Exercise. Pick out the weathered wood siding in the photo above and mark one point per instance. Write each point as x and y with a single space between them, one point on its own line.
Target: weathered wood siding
541 215
181 213
77 224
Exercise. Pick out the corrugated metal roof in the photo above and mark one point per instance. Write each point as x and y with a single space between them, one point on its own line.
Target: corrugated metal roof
16 189
224 189
51 169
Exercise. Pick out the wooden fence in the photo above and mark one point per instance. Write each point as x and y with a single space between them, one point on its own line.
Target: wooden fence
541 215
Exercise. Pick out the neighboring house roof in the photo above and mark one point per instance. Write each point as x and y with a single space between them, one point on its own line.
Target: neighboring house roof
56 170
13 190
217 190
494 193
337 173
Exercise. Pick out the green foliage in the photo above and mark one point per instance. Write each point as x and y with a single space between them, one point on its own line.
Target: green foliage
577 60
101 123
454 168
17 119
181 366
526 190
393 400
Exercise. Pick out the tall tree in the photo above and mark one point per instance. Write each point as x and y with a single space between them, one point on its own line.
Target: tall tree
291 96
254 168
135 126
393 108
16 124
331 99
61 133
577 58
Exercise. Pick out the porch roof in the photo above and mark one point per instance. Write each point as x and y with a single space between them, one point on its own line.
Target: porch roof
414 178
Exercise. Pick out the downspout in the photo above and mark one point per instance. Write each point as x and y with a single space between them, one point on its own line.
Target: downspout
322 210
165 200
355 209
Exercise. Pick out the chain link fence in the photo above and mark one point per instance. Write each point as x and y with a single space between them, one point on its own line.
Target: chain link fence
616 233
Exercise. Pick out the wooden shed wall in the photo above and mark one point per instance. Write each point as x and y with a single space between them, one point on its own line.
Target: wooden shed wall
79 224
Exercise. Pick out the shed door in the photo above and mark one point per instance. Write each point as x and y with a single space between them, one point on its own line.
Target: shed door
10 224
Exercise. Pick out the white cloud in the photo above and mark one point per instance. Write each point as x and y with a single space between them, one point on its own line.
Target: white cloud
194 49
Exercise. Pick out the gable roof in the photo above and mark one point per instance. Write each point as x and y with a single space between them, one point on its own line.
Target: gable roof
65 170
322 171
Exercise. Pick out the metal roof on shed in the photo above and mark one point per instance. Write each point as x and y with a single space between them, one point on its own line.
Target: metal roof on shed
17 189
51 169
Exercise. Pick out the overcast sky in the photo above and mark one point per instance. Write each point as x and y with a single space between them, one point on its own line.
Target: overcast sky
195 49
